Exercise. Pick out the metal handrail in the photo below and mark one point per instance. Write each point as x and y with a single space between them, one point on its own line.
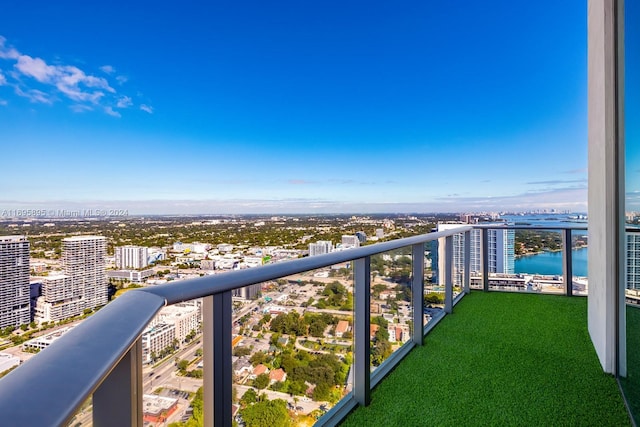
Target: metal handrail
204 286
66 374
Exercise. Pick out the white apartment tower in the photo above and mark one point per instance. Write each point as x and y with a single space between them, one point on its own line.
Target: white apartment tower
83 261
14 281
132 257
350 241
501 243
438 255
633 261
248 293
320 247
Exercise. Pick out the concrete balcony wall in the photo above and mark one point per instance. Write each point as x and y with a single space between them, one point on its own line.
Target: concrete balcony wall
606 183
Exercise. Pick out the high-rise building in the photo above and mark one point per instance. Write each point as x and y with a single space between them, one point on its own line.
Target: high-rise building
250 292
83 258
501 251
501 243
131 257
438 256
633 261
362 236
83 284
320 247
14 281
350 241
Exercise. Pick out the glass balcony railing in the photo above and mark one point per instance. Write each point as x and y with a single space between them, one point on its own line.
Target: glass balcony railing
324 331
547 260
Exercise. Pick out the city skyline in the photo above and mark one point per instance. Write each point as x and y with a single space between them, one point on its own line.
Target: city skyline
294 108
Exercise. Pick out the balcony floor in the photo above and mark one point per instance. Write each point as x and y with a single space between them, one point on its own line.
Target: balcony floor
500 359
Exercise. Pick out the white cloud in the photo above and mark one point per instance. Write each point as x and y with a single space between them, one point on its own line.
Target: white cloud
146 108
41 82
110 111
36 68
70 80
34 95
124 102
7 52
80 108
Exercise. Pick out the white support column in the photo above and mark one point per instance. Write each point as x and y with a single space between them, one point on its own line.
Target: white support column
606 179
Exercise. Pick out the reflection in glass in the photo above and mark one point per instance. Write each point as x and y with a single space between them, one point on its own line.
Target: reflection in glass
391 303
630 380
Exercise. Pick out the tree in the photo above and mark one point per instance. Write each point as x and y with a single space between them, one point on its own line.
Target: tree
182 366
241 351
196 373
250 396
262 381
258 358
269 413
321 392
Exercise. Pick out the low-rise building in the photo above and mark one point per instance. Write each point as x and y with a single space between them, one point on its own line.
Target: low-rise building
341 328
155 339
40 343
157 409
258 370
277 375
130 275
38 267
184 318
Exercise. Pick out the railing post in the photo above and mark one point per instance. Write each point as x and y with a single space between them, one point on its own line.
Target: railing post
417 292
484 243
216 352
467 262
118 400
567 263
362 321
448 274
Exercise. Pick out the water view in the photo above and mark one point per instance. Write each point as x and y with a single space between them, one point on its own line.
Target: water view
551 263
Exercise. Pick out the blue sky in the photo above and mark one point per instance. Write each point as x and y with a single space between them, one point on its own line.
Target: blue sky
632 105
232 107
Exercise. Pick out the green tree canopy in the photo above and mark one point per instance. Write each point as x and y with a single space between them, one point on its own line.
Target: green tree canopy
270 413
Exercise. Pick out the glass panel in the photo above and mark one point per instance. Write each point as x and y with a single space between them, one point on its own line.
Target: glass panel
84 417
172 363
391 302
433 289
580 255
630 380
538 266
293 345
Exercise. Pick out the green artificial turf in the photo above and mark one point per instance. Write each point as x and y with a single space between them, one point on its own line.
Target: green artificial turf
501 359
631 384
